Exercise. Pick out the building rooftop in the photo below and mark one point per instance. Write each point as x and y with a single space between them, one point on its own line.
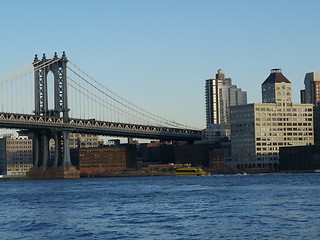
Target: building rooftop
276 76
220 74
312 76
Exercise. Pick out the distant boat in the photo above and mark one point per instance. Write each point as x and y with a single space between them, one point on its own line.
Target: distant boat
317 171
242 174
187 170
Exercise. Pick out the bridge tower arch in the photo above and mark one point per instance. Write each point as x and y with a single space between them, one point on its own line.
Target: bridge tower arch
58 66
61 166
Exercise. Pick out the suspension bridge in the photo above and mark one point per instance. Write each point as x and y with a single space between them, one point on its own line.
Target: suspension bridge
41 98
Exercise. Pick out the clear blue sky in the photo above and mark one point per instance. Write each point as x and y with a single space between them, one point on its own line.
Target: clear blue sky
158 53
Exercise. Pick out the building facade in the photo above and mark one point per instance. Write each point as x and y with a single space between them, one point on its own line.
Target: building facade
197 155
78 140
105 159
316 124
16 156
301 158
84 140
311 93
220 95
215 133
155 152
258 130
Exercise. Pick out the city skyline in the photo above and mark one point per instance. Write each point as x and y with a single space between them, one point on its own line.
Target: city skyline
164 51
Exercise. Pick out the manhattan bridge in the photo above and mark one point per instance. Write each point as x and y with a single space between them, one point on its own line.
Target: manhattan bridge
51 98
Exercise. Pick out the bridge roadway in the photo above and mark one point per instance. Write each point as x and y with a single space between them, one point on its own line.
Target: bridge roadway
91 126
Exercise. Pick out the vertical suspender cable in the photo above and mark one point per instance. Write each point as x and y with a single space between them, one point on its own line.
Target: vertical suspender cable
22 94
2 96
99 108
78 104
92 108
30 88
11 96
71 100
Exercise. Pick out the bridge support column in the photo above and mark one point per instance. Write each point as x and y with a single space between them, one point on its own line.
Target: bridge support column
66 149
57 154
36 150
61 166
45 150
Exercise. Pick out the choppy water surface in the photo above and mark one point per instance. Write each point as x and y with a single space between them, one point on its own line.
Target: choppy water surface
272 206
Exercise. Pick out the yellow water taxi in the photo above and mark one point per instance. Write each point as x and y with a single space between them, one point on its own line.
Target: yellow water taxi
187 170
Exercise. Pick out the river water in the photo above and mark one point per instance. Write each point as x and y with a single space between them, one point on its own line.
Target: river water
270 206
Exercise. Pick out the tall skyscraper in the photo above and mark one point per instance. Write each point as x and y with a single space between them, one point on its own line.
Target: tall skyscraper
220 95
311 93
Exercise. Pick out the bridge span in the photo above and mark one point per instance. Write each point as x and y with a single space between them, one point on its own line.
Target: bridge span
91 126
106 114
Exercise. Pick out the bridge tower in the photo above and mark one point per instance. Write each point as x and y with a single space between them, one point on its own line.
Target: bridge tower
58 66
61 166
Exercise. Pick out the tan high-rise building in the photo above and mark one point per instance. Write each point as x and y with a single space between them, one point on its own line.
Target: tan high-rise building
258 130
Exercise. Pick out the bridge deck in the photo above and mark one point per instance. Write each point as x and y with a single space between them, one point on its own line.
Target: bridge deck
91 126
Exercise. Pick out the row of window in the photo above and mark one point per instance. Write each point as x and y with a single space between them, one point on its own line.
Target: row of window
276 151
270 139
18 147
280 141
285 124
284 114
288 109
282 124
19 162
271 87
267 159
19 167
280 129
276 134
284 119
17 142
106 166
273 131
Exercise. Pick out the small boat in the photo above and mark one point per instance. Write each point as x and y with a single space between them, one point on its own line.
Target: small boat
187 170
317 171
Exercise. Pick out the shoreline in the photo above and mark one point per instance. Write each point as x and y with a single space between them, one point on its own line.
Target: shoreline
169 173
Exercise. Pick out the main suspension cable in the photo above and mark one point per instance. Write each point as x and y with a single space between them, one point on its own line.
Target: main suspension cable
121 103
133 117
123 99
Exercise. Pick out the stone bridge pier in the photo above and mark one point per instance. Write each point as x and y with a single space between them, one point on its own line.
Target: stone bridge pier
52 163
